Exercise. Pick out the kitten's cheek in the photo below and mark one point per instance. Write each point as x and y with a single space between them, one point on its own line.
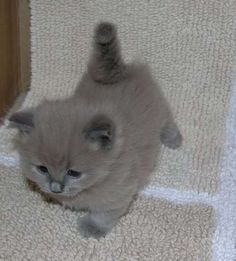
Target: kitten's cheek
30 175
33 179
73 188
34 176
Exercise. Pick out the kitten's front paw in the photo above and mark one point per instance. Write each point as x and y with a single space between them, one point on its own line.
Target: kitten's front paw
88 228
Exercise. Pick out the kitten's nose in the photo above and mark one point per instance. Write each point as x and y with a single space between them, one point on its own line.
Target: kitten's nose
56 187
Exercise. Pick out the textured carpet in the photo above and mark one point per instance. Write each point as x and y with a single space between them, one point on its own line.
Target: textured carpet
189 210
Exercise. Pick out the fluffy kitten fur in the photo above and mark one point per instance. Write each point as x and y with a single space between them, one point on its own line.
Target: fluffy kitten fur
97 148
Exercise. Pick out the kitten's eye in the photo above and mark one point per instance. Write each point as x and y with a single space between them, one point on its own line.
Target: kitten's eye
73 173
42 169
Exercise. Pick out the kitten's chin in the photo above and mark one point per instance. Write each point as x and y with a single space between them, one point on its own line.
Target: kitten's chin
63 195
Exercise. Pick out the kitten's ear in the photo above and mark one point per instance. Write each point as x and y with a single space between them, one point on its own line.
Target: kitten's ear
100 133
22 120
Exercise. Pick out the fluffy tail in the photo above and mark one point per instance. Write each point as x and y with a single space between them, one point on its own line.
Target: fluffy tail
106 65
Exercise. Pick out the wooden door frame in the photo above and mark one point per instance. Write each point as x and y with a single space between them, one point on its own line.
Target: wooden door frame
14 51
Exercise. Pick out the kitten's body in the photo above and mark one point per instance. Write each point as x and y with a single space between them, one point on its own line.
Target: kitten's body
110 130
130 166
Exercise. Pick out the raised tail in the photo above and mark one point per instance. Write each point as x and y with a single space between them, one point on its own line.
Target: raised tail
106 65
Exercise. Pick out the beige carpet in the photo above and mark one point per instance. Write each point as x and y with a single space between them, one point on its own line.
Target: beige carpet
189 210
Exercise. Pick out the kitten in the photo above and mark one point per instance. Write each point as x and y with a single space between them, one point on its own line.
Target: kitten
96 149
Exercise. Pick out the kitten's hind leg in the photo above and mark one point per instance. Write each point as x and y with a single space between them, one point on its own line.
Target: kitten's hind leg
98 224
171 136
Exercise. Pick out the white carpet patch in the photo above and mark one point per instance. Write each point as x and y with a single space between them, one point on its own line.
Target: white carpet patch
224 246
180 197
9 160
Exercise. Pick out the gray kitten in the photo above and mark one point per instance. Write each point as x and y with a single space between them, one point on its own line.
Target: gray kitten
96 149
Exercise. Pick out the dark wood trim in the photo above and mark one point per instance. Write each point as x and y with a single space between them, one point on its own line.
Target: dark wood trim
14 51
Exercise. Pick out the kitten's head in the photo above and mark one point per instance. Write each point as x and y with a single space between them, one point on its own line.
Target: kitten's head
65 147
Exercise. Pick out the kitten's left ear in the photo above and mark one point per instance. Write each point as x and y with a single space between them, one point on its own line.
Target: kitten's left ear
100 133
22 120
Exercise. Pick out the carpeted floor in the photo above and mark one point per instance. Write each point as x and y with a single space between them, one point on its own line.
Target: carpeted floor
189 210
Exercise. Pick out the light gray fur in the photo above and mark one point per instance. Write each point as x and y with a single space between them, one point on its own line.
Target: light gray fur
110 130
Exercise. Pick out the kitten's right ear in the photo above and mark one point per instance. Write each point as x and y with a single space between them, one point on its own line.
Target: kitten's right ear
22 120
100 133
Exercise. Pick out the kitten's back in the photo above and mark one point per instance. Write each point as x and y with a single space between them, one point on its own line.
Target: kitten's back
125 92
